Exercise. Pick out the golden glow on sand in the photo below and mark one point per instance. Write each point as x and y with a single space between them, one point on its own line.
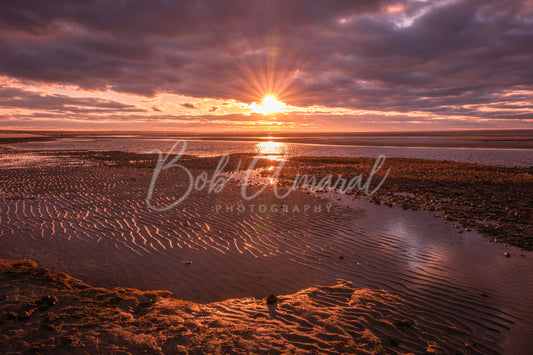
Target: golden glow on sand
268 106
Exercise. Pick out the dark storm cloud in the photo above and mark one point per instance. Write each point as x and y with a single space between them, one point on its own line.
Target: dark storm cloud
17 98
438 57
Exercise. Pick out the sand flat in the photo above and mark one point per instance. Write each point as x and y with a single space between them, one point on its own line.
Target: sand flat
47 310
94 224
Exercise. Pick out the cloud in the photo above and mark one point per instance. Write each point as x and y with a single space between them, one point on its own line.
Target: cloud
463 58
188 105
28 100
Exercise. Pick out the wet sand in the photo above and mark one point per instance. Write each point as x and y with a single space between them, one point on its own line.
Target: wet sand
451 288
493 200
46 311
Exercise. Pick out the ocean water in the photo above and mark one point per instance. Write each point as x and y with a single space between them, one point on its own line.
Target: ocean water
209 146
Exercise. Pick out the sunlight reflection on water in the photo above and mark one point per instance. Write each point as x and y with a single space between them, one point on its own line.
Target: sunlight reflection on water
278 150
272 150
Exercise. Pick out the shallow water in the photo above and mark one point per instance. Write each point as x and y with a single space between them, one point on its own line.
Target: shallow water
491 156
30 159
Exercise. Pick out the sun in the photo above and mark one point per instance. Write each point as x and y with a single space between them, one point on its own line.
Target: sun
271 104
268 106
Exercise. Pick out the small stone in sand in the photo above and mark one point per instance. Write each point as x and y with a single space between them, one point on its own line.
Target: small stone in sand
271 299
11 315
46 302
507 254
341 257
403 324
483 294
187 262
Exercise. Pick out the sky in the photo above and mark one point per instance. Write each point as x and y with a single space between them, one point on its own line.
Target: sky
351 65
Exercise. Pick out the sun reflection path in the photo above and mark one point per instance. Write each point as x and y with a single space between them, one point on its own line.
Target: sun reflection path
272 150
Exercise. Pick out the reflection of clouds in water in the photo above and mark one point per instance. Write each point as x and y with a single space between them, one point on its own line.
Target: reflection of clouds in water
272 150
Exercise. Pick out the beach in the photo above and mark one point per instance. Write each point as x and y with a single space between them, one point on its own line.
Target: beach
59 312
266 177
413 268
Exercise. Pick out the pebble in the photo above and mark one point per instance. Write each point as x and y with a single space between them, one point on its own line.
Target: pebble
46 302
22 316
507 254
11 315
271 299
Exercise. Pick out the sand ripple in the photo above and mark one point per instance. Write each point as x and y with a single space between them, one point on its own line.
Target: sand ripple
94 224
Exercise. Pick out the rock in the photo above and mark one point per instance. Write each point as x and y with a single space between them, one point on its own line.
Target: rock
507 254
403 324
67 340
483 294
22 316
48 327
271 299
11 315
187 262
46 302
341 257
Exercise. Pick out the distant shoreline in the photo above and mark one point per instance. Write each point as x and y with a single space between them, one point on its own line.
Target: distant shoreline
512 139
